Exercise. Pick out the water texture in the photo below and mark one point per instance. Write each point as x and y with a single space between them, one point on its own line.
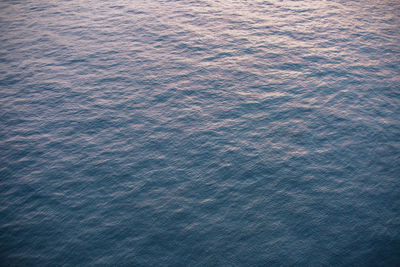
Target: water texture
200 133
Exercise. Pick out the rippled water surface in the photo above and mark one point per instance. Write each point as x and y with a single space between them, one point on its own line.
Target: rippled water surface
200 132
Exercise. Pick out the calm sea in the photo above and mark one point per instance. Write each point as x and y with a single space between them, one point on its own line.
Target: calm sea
200 133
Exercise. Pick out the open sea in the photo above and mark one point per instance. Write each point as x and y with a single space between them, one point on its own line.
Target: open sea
200 133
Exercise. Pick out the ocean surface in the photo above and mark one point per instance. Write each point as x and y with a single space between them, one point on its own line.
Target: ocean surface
200 133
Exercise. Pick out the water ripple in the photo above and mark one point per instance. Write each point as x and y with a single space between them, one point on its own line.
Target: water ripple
199 132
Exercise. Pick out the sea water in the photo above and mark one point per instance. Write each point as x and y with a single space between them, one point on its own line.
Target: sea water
200 133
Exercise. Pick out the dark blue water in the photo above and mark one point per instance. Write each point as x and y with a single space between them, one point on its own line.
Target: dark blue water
200 133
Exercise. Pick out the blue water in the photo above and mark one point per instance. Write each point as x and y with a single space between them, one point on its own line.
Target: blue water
200 133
